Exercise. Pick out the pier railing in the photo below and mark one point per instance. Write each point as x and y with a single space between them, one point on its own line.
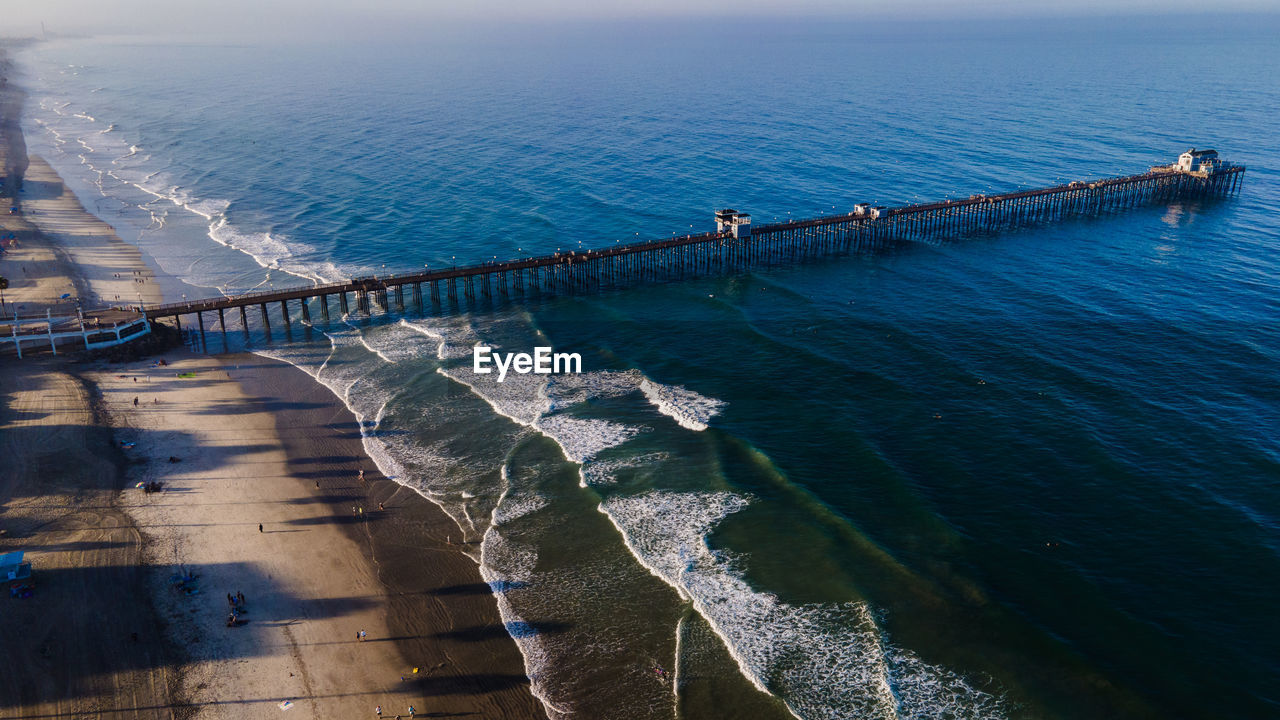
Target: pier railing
463 287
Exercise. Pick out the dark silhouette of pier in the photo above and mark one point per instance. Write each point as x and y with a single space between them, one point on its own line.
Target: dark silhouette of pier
736 246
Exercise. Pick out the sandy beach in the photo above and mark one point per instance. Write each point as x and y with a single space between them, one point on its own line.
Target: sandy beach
259 494
290 524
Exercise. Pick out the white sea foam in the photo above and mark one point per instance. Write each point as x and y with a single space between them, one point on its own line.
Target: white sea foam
454 337
393 345
582 439
520 398
826 661
364 341
523 399
266 249
510 510
568 390
690 409
604 472
532 645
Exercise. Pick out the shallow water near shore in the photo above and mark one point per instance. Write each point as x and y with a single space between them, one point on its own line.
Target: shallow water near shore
1032 475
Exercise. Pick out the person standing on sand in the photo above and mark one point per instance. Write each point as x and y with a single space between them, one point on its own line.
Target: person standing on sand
259 527
378 711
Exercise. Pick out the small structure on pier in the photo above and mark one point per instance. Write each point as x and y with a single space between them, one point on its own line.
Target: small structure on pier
1200 163
730 220
1195 160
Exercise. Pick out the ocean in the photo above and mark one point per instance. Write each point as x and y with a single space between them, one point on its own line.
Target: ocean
1029 475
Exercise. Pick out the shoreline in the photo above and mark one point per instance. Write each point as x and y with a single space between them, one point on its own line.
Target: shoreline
266 431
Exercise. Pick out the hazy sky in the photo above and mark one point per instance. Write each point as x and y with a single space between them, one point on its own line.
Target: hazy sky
305 17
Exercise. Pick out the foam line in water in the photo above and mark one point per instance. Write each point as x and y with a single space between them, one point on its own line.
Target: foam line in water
685 406
675 668
531 645
831 658
105 154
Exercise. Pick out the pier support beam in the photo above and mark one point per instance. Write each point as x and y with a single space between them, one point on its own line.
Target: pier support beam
244 323
204 347
284 310
342 298
266 321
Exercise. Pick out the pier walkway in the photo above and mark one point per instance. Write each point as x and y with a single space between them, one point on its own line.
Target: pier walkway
735 246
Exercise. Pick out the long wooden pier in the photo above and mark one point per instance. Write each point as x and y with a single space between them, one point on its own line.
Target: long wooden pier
735 246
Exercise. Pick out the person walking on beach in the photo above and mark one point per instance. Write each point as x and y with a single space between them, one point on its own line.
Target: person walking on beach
412 712
378 711
360 477
259 527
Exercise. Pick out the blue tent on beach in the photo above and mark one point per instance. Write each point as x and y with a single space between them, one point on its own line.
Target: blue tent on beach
12 567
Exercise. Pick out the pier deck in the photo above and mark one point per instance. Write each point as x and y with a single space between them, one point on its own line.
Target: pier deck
732 249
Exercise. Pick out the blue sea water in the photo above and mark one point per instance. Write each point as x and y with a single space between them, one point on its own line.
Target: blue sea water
1030 475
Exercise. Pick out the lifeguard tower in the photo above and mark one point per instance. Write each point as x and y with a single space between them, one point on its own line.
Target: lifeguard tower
15 573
